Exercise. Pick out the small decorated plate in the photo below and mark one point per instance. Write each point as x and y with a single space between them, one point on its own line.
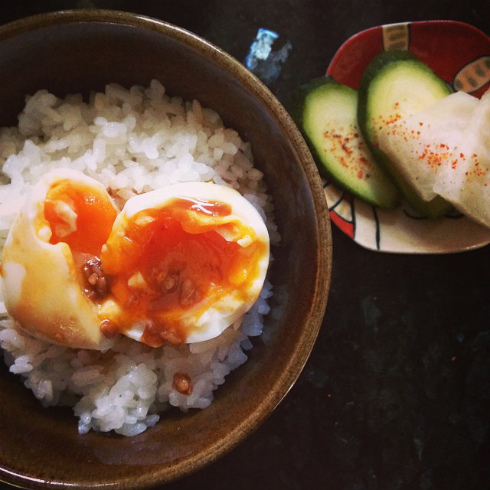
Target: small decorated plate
460 55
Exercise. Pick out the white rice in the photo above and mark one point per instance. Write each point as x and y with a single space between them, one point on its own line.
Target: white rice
132 141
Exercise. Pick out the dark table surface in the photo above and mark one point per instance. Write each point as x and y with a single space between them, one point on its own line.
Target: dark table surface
396 393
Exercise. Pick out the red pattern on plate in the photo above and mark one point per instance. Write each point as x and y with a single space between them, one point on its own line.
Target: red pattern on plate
446 46
346 226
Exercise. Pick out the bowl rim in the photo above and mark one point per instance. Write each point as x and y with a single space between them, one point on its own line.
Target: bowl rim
321 281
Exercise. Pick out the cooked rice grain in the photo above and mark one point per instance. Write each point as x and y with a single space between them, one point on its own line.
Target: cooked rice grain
132 141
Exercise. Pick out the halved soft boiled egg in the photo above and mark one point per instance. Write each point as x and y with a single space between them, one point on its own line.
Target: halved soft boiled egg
179 264
185 262
62 225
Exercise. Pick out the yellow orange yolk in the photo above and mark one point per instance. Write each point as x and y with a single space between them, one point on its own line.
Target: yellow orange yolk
175 259
79 216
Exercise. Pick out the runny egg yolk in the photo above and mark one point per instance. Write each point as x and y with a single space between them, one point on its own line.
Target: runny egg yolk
79 216
174 261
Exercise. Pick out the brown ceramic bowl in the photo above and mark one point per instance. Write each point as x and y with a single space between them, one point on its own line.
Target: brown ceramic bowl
80 51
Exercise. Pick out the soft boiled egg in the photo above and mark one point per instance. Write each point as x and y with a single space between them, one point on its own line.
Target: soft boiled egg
185 262
58 233
179 264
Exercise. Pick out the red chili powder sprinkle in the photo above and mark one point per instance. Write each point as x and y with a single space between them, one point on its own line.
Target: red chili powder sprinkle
343 146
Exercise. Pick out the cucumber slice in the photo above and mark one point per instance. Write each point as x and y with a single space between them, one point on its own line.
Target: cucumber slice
396 85
326 113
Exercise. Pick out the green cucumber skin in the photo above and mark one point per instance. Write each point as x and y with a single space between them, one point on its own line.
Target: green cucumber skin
386 60
384 194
